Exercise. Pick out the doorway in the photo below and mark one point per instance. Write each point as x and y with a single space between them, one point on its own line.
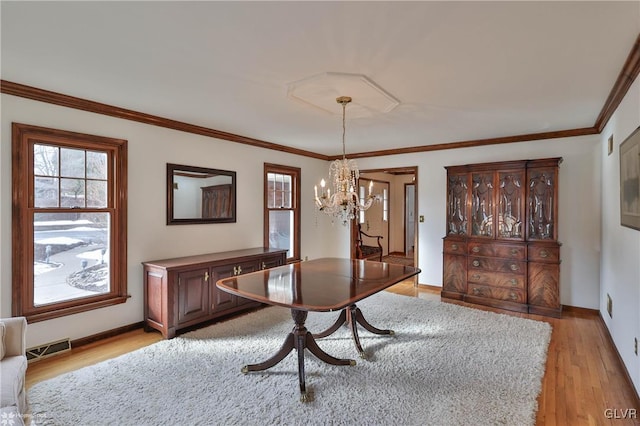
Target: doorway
401 210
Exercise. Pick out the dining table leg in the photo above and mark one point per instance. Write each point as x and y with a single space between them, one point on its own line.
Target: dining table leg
351 316
299 339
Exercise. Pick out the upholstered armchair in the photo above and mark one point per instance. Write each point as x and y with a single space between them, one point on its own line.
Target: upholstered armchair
13 366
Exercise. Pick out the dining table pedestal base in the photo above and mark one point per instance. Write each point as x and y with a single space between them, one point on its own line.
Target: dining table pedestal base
299 339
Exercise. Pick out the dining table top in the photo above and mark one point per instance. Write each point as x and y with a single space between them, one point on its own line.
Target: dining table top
325 284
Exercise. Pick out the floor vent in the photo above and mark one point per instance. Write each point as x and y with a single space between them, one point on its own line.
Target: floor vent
48 349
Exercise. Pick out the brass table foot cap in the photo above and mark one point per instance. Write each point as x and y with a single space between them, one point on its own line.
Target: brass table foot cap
245 369
306 397
352 362
392 333
363 355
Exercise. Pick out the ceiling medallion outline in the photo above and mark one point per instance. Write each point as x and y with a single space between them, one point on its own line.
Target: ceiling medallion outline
321 90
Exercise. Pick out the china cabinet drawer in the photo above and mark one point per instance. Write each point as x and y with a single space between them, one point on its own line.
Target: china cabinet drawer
496 264
497 279
544 253
507 251
455 247
497 293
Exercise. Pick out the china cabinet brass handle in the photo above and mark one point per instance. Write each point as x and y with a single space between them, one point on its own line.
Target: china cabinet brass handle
264 266
206 276
475 290
476 263
514 267
237 270
475 249
513 296
454 247
513 281
544 253
476 277
514 251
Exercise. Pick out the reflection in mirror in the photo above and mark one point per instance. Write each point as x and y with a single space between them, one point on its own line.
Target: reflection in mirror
200 195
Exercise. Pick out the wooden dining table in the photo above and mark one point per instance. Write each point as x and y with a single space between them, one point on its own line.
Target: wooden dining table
320 285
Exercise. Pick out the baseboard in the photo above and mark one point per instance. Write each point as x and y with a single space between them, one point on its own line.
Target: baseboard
434 288
624 367
587 311
105 334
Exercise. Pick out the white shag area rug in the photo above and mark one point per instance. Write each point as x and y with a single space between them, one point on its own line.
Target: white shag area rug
446 365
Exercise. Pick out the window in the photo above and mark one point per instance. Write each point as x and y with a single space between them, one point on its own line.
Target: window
385 205
282 209
68 222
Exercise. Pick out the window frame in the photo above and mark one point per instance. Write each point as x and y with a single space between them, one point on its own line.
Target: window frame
295 174
24 137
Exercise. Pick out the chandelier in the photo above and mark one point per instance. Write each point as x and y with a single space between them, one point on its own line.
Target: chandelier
343 201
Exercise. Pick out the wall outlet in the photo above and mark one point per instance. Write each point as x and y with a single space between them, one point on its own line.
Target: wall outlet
609 306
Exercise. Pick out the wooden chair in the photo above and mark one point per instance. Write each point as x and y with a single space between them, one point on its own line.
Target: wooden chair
364 251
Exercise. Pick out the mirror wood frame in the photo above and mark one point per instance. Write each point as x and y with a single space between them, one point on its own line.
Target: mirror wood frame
178 169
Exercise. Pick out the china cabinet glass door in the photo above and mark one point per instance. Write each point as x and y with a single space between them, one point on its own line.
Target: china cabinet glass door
511 204
482 203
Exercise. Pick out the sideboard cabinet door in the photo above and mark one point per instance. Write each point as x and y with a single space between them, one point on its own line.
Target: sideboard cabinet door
193 295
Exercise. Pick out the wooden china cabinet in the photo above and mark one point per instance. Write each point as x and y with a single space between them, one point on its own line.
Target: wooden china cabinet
501 247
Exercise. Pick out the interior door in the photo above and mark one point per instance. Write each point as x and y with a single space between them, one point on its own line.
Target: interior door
375 220
409 219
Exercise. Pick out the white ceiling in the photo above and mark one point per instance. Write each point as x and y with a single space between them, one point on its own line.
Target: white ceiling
461 70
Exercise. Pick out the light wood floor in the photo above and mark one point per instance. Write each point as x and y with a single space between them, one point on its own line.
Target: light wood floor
583 383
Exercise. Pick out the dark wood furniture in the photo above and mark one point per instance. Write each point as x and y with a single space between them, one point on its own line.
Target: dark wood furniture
321 285
501 247
181 292
368 251
217 201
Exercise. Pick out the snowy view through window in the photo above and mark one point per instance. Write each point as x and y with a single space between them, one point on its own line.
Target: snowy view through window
71 224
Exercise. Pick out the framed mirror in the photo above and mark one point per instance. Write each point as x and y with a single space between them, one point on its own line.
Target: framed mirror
200 195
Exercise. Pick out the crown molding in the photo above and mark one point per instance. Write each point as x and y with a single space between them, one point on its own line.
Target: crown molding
476 142
628 74
36 94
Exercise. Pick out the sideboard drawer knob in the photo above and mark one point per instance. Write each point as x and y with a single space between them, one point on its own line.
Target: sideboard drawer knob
475 249
544 253
514 267
454 247
476 263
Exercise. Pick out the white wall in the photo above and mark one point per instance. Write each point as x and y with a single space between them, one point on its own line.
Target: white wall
579 210
150 148
620 261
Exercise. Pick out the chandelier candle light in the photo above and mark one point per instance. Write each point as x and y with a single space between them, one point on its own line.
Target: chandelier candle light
344 202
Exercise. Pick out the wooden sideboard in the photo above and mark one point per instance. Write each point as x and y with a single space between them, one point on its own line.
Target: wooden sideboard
501 247
181 292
